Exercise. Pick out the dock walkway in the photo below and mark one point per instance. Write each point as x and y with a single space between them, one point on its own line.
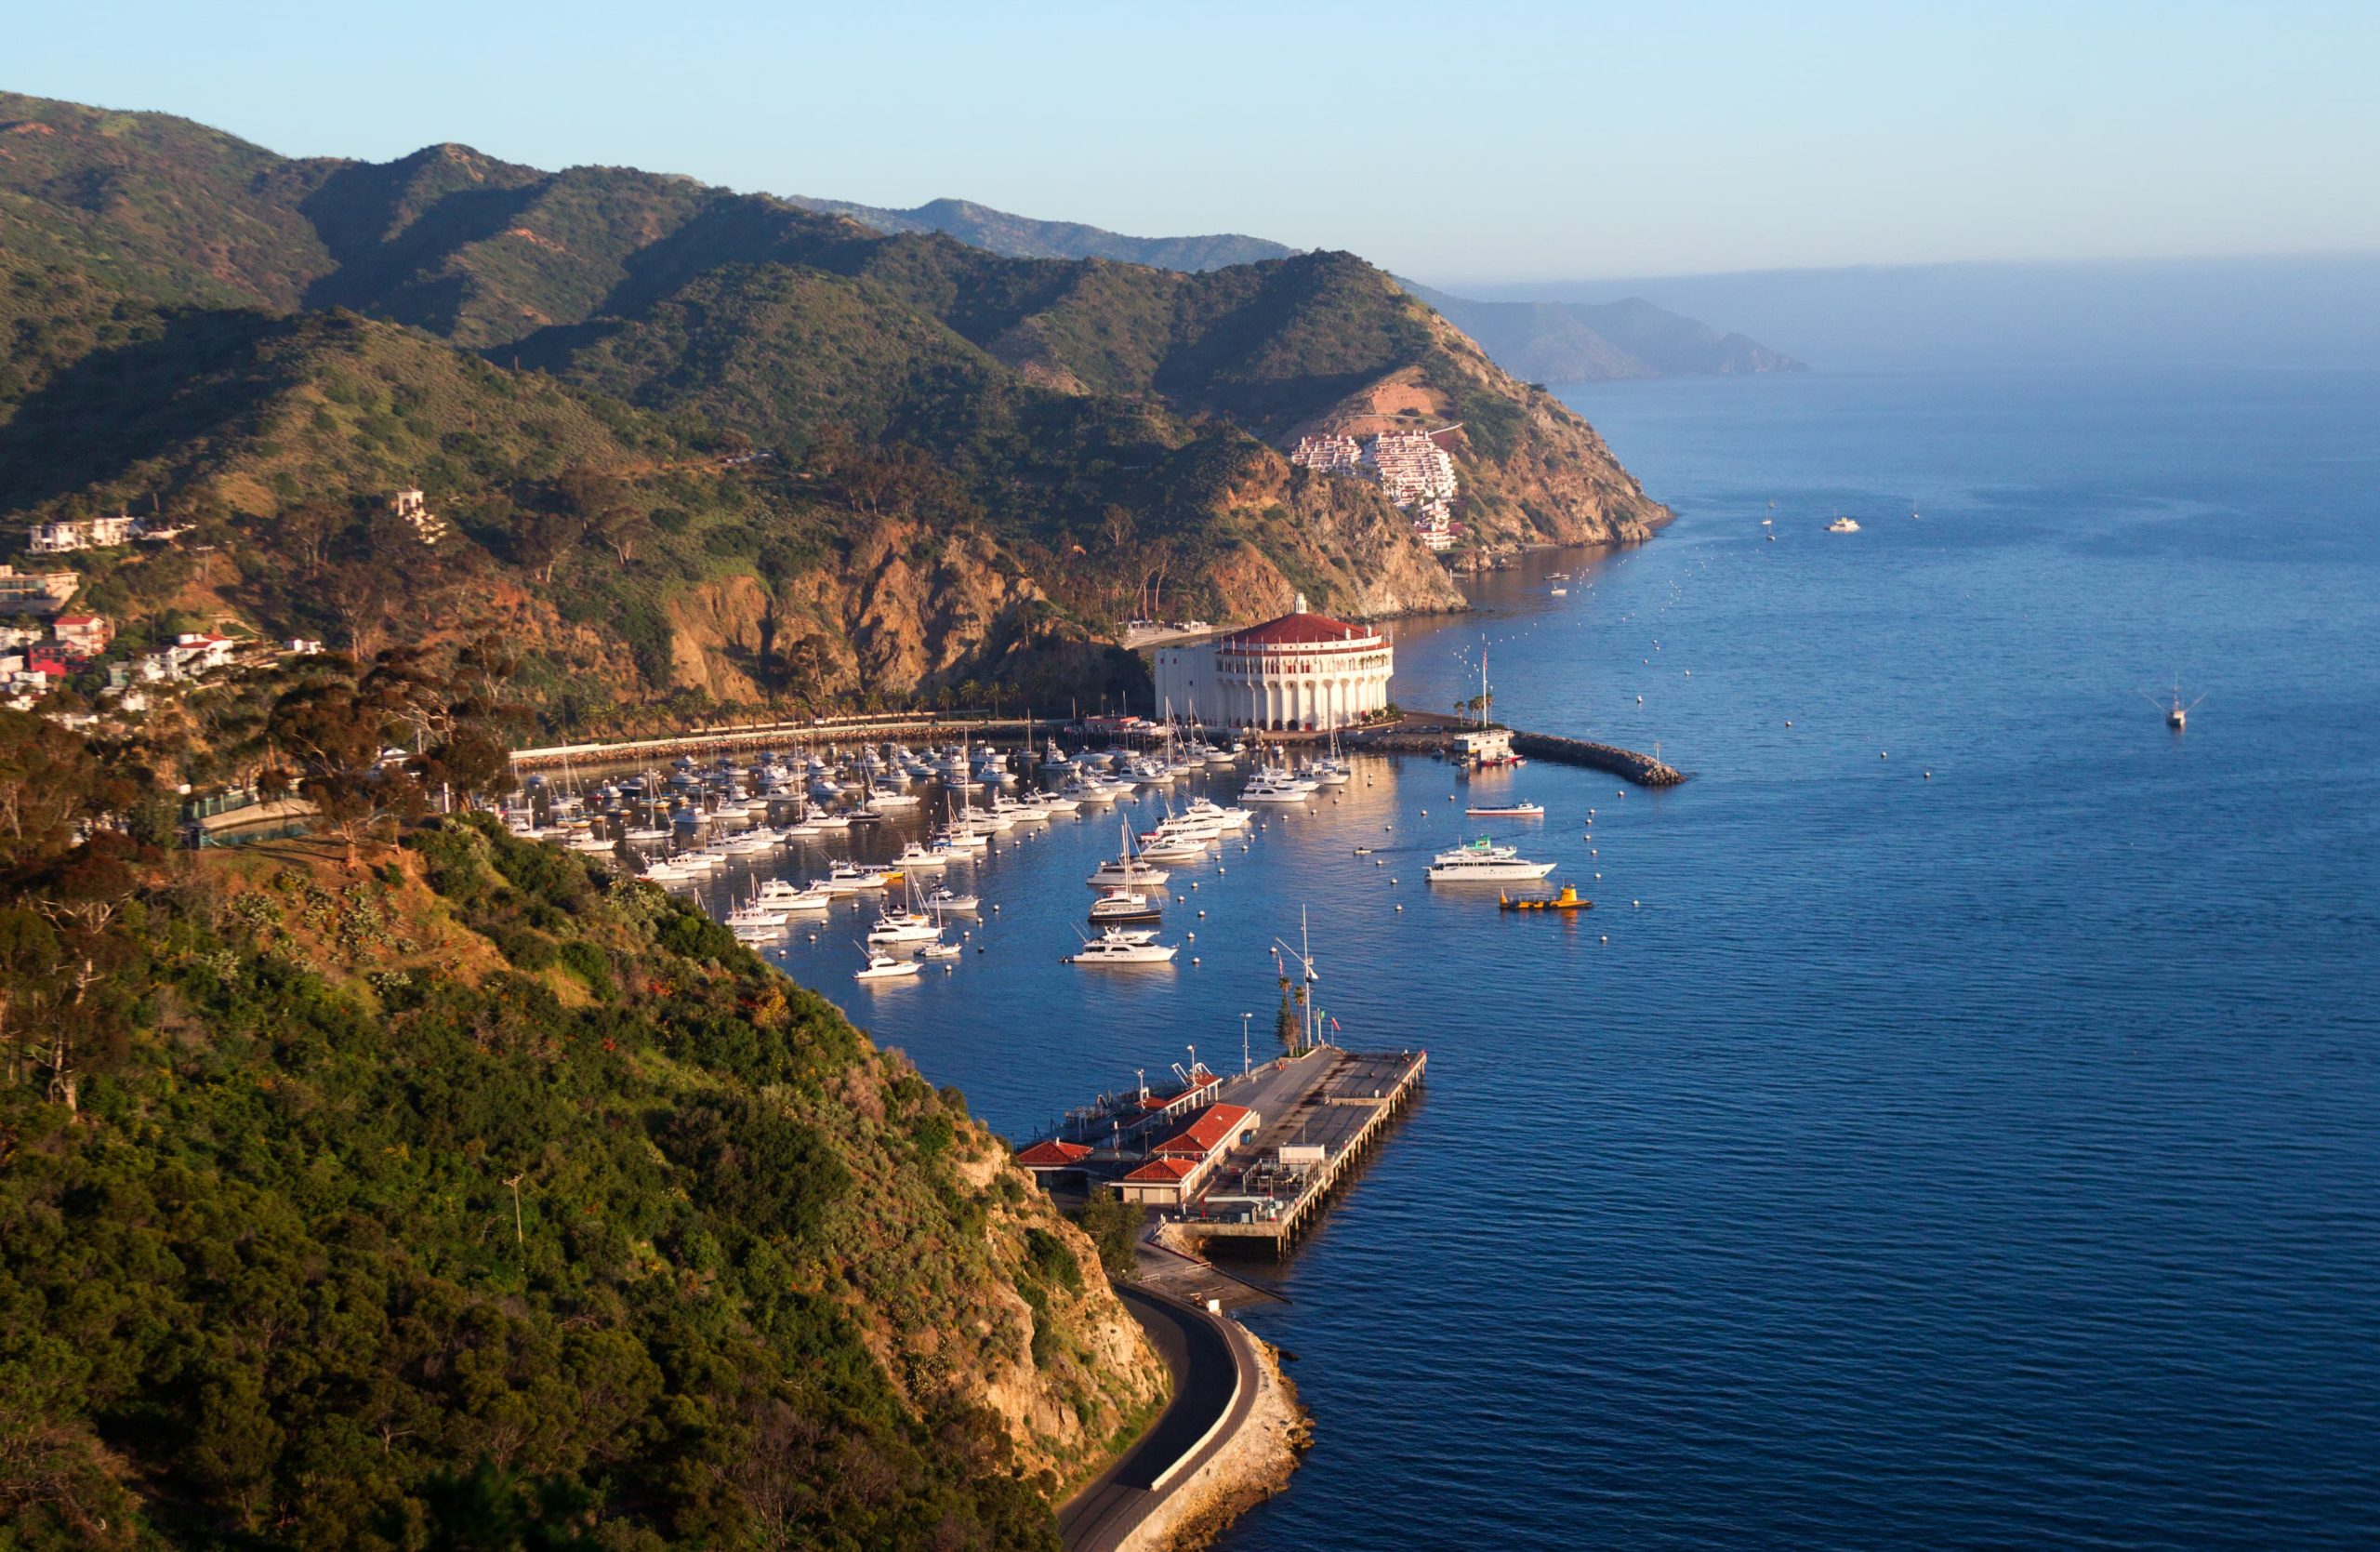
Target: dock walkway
1326 1107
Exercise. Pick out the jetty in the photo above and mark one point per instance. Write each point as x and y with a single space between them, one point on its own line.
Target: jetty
1249 1158
1425 736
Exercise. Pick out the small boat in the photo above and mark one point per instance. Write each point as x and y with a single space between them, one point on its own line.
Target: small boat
1844 525
942 950
947 902
1566 900
1561 592
917 858
884 967
1506 811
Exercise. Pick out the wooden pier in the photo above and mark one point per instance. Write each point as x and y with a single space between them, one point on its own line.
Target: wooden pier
1323 1112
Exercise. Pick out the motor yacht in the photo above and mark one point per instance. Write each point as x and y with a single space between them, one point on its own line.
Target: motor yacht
777 895
1483 861
884 967
1116 946
914 859
1522 810
847 878
901 929
949 902
1274 785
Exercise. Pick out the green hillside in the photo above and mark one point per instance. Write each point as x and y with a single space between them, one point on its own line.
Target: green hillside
576 367
471 1197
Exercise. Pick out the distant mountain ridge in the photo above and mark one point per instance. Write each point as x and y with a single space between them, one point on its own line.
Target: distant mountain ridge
690 441
1022 237
1534 341
1556 341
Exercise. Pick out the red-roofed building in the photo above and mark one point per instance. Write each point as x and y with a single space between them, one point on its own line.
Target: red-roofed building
1199 1091
1177 1166
1053 1158
1300 671
1214 1125
87 634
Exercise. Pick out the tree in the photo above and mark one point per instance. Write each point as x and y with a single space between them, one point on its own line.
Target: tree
333 730
542 537
306 531
49 786
358 593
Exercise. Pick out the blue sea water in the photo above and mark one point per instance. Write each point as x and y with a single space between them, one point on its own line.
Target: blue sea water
1959 1122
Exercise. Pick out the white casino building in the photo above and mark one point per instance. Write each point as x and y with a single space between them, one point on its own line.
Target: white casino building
1301 670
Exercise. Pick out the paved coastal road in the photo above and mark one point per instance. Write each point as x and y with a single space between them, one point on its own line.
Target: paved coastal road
1214 1389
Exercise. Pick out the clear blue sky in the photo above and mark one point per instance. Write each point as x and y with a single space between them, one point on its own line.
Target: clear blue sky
1450 142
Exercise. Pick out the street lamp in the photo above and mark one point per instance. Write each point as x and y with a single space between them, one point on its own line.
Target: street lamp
1243 1043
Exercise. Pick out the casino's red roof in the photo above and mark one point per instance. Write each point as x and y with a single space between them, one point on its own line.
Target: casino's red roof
1053 1153
1299 631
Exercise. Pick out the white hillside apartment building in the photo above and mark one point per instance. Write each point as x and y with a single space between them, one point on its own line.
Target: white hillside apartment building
1411 468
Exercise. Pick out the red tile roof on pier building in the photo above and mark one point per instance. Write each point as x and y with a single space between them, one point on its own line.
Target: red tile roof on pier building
1213 1128
1171 1171
1054 1153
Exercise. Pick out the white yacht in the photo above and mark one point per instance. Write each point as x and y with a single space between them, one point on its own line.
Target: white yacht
949 902
1483 861
884 967
1116 946
914 859
901 929
849 878
777 895
1274 785
756 917
1844 525
1125 873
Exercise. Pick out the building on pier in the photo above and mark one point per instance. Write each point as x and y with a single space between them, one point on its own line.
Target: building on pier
1302 671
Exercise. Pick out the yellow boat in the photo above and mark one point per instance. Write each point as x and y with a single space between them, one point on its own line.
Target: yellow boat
1568 900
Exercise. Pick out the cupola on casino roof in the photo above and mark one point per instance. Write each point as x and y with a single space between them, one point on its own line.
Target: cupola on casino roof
1301 670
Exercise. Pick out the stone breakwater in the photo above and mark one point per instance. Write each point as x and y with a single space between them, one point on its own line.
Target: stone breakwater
1627 765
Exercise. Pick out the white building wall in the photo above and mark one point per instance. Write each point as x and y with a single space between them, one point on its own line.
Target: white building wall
1326 688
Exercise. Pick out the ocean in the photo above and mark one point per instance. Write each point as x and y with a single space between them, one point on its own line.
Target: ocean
1958 1122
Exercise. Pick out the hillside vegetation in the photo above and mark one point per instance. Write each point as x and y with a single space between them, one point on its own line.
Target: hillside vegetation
700 447
471 1197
